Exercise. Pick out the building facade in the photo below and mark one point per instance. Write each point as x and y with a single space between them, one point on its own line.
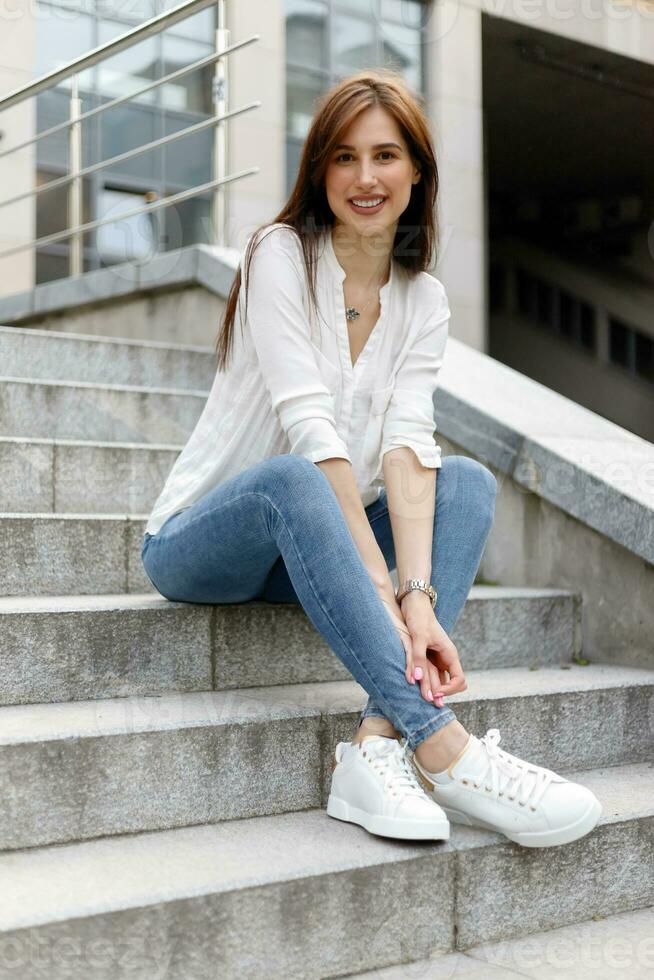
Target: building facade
541 115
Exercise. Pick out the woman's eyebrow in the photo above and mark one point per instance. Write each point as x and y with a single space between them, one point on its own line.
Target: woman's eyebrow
377 146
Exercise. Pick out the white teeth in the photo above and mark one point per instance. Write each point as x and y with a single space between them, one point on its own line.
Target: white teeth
368 204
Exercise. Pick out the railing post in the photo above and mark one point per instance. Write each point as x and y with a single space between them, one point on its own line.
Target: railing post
75 248
220 199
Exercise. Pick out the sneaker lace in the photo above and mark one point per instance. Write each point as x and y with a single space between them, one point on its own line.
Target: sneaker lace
528 782
392 762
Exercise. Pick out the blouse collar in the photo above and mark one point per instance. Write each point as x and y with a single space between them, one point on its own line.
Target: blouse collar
339 272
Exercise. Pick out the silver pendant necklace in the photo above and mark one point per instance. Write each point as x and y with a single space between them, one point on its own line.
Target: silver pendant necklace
352 313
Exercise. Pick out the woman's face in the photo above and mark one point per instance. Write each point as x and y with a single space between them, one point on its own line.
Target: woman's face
367 170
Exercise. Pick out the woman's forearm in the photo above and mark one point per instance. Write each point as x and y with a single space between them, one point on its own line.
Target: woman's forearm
411 497
341 476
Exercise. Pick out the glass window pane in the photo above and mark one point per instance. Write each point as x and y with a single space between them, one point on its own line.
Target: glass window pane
61 36
187 222
130 11
52 206
124 128
567 309
306 33
407 12
587 326
302 90
52 262
354 43
369 7
401 48
187 161
130 69
53 107
128 238
293 153
644 355
618 343
192 92
197 27
50 267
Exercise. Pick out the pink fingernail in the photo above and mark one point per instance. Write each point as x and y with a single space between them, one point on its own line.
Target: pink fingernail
430 695
440 702
418 673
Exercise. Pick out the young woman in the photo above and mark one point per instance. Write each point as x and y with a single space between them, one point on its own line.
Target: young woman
312 472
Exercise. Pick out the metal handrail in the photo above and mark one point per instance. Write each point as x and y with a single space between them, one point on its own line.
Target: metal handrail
92 57
128 154
171 76
219 185
163 203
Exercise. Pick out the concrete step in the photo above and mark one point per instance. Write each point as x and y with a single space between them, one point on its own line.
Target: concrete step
107 413
592 950
144 645
63 554
45 476
273 895
54 356
93 768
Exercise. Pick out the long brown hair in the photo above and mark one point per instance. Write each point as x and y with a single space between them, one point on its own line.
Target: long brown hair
307 209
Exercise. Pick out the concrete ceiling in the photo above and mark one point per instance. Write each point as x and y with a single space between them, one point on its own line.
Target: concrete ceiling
550 130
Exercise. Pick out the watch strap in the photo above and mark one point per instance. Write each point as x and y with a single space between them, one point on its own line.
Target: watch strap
417 583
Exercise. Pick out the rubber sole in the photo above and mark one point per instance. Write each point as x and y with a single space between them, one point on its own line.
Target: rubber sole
388 826
541 838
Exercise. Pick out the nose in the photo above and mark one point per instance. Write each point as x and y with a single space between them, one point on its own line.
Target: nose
366 178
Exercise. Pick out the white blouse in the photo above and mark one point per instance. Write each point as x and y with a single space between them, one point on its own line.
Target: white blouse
290 386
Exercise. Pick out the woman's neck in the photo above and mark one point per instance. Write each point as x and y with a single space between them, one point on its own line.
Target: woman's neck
365 259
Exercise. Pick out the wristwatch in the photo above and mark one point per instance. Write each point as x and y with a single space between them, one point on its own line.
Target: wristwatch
417 583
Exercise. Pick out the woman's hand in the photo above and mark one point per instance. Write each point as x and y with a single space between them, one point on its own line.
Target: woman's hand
430 654
432 658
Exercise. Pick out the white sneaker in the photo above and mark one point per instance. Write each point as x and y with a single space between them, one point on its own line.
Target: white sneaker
531 805
374 785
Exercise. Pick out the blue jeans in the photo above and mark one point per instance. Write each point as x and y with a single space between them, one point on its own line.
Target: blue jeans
276 532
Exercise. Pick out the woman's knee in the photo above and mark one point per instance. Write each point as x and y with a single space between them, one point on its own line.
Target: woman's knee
464 473
292 469
296 480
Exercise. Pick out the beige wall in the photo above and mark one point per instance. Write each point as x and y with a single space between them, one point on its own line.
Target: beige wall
455 105
16 125
256 138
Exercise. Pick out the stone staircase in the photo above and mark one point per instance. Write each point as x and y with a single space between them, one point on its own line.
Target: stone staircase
165 766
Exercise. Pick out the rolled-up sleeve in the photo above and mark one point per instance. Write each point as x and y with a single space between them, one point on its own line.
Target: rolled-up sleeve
409 419
280 334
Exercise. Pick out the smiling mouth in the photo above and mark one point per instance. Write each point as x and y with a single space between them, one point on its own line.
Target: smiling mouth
367 209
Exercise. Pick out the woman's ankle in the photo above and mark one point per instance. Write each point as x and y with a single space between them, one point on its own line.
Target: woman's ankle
375 725
439 750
